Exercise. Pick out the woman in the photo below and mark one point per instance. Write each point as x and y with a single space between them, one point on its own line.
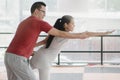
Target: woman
43 58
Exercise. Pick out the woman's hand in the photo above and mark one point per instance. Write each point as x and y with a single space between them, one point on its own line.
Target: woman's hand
109 32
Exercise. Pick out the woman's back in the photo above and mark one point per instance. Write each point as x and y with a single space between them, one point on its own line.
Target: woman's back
45 56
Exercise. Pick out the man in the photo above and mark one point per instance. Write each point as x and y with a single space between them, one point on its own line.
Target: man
21 47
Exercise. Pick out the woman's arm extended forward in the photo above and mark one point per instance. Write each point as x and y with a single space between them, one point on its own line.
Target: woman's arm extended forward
82 35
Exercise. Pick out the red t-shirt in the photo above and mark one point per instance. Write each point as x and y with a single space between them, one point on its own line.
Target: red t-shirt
27 35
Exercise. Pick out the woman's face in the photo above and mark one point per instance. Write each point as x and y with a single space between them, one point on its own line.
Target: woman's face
70 26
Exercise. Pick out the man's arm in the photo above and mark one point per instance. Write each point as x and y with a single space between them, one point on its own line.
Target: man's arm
56 32
41 42
83 35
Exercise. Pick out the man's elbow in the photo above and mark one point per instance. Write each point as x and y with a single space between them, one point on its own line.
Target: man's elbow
56 32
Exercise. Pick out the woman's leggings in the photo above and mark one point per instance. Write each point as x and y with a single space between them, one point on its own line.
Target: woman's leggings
44 74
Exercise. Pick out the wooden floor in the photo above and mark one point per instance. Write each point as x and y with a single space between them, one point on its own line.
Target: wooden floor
89 72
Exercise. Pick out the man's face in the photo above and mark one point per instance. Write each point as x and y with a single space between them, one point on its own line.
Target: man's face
41 12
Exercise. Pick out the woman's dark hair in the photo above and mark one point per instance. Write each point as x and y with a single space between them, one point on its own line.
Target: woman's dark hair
37 5
59 24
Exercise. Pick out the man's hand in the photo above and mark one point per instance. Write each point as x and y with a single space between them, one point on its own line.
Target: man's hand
33 53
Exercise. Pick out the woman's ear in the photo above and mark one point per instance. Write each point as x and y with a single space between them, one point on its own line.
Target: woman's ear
65 25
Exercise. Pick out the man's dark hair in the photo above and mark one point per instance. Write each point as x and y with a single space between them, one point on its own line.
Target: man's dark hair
37 5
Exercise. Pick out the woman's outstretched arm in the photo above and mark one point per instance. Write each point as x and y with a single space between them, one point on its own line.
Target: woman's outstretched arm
82 35
92 34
